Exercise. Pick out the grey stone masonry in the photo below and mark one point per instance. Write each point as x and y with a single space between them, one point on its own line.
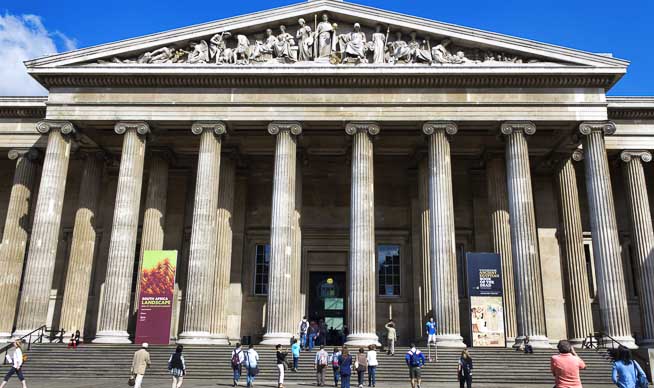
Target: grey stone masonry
424 304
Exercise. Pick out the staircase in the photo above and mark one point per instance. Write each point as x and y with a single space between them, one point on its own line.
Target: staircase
495 366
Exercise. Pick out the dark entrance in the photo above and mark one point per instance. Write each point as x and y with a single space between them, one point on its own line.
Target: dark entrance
327 301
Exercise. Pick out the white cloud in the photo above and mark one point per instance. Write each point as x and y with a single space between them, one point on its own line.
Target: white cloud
24 37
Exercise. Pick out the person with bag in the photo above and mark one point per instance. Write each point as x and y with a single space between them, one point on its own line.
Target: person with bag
345 367
281 364
333 360
565 366
372 365
237 362
303 328
140 363
320 365
16 361
415 360
464 371
361 366
251 365
626 372
177 366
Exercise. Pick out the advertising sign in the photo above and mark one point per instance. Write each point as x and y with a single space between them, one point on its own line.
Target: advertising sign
157 284
486 302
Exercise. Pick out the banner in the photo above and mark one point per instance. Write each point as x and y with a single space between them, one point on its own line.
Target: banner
486 302
157 285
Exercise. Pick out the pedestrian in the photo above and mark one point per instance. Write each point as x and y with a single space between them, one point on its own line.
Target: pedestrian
177 366
16 361
527 346
626 372
295 352
565 366
391 336
140 363
237 361
333 359
313 334
415 360
345 367
372 365
281 364
251 364
361 365
322 332
320 365
431 330
465 369
303 329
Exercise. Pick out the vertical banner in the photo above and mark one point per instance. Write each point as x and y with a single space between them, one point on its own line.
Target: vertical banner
486 302
156 298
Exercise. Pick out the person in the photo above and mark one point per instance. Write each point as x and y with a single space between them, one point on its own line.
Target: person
16 361
565 366
372 365
361 366
415 360
313 333
333 359
251 364
295 351
281 364
302 330
140 363
465 369
345 367
73 341
527 346
391 336
320 365
177 366
322 332
237 360
626 372
431 329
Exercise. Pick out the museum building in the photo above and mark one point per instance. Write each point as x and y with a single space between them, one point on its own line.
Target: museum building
331 160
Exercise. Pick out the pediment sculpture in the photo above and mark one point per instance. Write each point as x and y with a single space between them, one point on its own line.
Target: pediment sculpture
325 43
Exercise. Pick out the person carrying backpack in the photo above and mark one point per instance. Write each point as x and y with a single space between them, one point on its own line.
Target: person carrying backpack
237 361
415 360
320 365
303 328
333 360
177 366
16 360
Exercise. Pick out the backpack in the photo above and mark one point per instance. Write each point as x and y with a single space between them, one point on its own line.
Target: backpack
322 359
304 326
335 360
236 360
413 359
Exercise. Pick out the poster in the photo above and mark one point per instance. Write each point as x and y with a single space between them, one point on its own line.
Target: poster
486 301
157 285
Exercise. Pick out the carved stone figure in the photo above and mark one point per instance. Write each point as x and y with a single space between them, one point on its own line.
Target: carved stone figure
441 54
284 43
217 44
400 49
263 51
325 39
305 41
419 53
378 45
353 45
160 55
200 53
242 51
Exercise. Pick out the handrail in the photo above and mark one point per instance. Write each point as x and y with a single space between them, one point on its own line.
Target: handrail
37 333
600 342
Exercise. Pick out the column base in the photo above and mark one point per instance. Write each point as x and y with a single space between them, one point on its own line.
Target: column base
450 341
509 341
362 339
112 337
645 343
576 342
219 339
627 341
6 338
276 338
195 338
536 342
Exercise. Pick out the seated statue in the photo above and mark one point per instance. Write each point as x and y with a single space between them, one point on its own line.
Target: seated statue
353 45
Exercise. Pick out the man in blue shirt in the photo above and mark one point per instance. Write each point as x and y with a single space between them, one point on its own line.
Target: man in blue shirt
430 328
415 360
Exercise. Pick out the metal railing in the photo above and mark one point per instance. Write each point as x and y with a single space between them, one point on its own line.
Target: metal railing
33 337
602 341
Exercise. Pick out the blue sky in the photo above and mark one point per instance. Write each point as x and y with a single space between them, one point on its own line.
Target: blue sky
623 28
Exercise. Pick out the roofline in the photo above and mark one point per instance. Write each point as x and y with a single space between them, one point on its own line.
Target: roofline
18 107
631 107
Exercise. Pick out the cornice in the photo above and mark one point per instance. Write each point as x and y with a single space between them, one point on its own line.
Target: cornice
22 107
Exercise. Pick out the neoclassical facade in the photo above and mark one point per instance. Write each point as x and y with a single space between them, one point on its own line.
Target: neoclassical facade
331 160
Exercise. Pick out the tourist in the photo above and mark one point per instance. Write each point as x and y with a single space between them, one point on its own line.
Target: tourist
281 364
333 359
361 365
565 366
16 361
626 372
415 360
177 366
313 333
391 336
295 351
303 329
345 367
237 361
527 346
322 332
251 364
372 365
431 329
320 365
465 369
140 363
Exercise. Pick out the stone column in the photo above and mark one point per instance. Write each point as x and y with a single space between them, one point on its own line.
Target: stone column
202 251
39 270
580 315
114 315
297 246
642 236
530 306
82 252
363 264
15 236
606 244
425 304
442 248
224 233
280 319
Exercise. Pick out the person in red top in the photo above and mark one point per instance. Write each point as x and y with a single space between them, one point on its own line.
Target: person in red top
565 366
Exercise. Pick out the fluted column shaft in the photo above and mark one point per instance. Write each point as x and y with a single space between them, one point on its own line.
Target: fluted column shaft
530 306
606 243
224 235
642 236
498 203
202 252
425 303
580 315
297 246
280 319
442 238
15 236
362 265
115 307
39 270
82 252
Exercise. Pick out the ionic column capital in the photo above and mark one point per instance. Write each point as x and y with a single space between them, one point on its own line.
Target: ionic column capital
629 155
606 127
30 153
449 127
65 127
526 127
218 127
292 126
371 128
141 127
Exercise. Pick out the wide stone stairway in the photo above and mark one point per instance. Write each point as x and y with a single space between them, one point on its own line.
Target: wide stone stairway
491 366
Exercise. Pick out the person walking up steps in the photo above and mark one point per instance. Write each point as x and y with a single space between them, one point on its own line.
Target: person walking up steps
281 364
372 365
303 328
431 329
16 362
626 372
177 366
333 359
345 367
320 365
415 360
295 352
361 365
391 336
565 366
251 364
465 370
140 363
237 361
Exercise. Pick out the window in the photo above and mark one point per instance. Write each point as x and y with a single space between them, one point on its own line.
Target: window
388 259
261 266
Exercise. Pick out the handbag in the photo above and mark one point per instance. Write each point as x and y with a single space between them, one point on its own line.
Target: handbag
641 378
132 380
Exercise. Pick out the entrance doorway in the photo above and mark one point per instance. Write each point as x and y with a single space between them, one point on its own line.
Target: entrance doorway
327 301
